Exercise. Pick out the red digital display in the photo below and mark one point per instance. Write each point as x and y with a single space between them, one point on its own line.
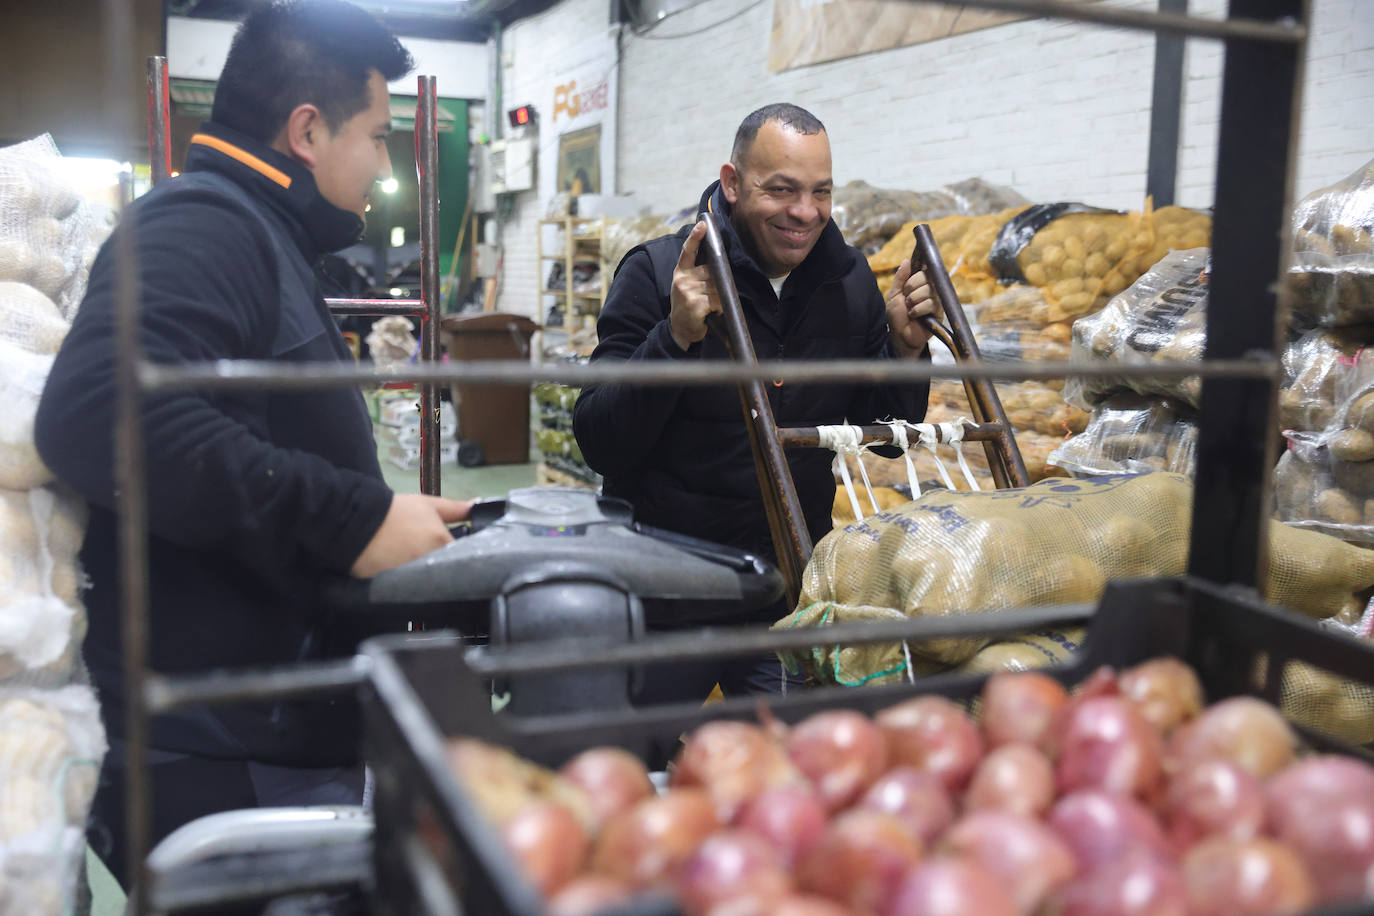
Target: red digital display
521 116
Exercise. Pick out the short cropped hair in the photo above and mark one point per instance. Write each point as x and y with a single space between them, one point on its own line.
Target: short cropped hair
790 116
289 53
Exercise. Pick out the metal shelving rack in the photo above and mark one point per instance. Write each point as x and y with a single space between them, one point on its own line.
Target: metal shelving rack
1265 46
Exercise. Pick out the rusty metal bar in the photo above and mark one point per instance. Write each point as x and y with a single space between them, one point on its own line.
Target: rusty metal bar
809 436
786 523
427 168
159 119
285 682
1279 30
1004 458
245 375
406 307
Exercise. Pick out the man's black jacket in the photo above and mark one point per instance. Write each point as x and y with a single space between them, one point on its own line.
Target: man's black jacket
254 497
681 455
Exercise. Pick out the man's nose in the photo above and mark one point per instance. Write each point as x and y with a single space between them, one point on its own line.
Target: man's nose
805 209
385 172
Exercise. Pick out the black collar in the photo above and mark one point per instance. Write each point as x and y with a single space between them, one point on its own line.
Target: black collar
825 261
283 183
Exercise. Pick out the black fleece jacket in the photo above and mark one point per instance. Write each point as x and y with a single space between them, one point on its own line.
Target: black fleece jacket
681 455
254 497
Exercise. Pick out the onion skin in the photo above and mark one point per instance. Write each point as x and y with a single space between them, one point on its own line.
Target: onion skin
1323 807
933 734
1020 708
1015 778
917 799
1107 744
1141 884
1029 859
1258 877
587 895
548 842
1244 730
860 860
841 752
791 818
733 761
644 846
1165 690
788 905
1102 826
951 887
731 863
1212 798
613 779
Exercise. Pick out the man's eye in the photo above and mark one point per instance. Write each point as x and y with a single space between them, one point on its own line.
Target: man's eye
823 192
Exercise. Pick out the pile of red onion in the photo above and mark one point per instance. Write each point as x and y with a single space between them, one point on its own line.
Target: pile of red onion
1127 797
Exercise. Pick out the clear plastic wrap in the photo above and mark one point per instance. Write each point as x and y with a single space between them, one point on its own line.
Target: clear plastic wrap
1130 433
1161 318
1057 541
867 216
1313 489
976 197
1332 274
1315 366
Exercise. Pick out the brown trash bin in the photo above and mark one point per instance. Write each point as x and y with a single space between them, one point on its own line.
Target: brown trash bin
494 417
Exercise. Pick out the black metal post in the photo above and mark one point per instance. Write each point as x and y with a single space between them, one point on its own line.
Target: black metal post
1236 430
427 167
1166 106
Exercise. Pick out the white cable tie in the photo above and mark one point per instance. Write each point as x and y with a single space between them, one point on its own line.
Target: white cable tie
839 440
899 439
906 650
859 450
954 436
931 440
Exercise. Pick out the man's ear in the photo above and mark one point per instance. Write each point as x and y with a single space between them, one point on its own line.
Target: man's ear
300 138
730 182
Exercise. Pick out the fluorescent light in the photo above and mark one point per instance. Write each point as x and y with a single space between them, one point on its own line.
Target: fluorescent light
398 236
390 186
396 292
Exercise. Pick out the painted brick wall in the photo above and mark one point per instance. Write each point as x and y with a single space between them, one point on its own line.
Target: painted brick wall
1056 110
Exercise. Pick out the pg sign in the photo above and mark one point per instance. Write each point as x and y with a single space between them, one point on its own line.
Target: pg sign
570 102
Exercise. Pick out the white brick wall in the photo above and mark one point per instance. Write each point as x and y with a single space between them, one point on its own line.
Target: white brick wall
1056 110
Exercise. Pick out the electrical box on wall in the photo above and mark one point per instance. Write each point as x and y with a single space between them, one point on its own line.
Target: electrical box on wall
512 165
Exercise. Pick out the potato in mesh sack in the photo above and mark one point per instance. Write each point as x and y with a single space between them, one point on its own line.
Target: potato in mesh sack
1161 318
1035 405
1315 366
1057 541
962 241
1332 274
868 217
1130 433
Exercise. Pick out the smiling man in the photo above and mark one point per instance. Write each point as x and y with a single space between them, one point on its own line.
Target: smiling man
681 455
254 498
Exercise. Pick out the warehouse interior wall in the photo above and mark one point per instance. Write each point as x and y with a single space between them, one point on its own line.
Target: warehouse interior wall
1058 111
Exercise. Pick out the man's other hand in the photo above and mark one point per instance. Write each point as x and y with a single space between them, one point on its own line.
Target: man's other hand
414 526
694 293
910 299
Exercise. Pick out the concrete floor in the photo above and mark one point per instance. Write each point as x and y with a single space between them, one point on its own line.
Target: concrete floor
460 482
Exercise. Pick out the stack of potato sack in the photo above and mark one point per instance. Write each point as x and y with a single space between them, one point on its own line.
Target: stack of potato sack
868 217
1054 542
1325 479
1141 424
51 738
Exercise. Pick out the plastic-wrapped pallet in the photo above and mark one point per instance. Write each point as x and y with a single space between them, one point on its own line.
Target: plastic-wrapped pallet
1332 274
1131 433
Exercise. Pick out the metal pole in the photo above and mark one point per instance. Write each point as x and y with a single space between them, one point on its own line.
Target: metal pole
1166 102
1237 445
130 480
159 119
427 167
405 307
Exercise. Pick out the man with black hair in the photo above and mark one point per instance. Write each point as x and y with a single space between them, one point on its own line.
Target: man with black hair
681 456
255 498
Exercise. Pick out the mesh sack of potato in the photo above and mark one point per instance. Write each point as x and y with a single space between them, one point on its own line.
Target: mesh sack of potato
22 376
1315 366
1177 228
1161 318
1035 405
842 513
1057 541
976 196
1131 433
1026 651
868 217
963 242
42 620
1332 272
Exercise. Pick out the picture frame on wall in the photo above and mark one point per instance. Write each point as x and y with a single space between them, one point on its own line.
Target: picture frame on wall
579 161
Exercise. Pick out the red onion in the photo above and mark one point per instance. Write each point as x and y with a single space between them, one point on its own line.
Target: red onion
841 752
731 863
1102 826
733 761
549 843
1324 807
933 734
788 905
1166 690
588 895
614 779
950 887
791 818
1243 730
860 860
1025 854
918 799
1213 798
1107 744
1015 778
1101 683
1141 884
1020 707
645 845
1257 877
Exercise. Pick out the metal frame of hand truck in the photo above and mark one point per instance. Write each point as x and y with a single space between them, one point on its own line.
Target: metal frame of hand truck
1265 45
